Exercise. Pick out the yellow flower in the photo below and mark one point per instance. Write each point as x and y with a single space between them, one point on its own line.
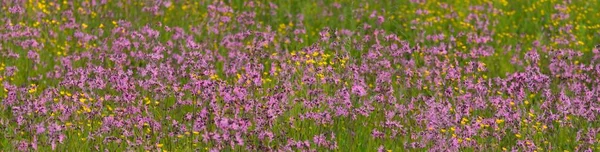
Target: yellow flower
464 121
159 145
282 26
214 77
82 100
84 25
86 109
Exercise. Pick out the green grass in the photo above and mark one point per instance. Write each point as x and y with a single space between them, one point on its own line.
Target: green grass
513 25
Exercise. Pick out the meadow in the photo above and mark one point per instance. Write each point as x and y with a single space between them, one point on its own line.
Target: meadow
299 75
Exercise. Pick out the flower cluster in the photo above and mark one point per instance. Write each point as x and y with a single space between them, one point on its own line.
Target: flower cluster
316 75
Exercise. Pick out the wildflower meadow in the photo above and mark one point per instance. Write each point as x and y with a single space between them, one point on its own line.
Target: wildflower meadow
300 75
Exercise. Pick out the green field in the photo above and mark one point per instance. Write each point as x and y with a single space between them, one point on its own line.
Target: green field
299 75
